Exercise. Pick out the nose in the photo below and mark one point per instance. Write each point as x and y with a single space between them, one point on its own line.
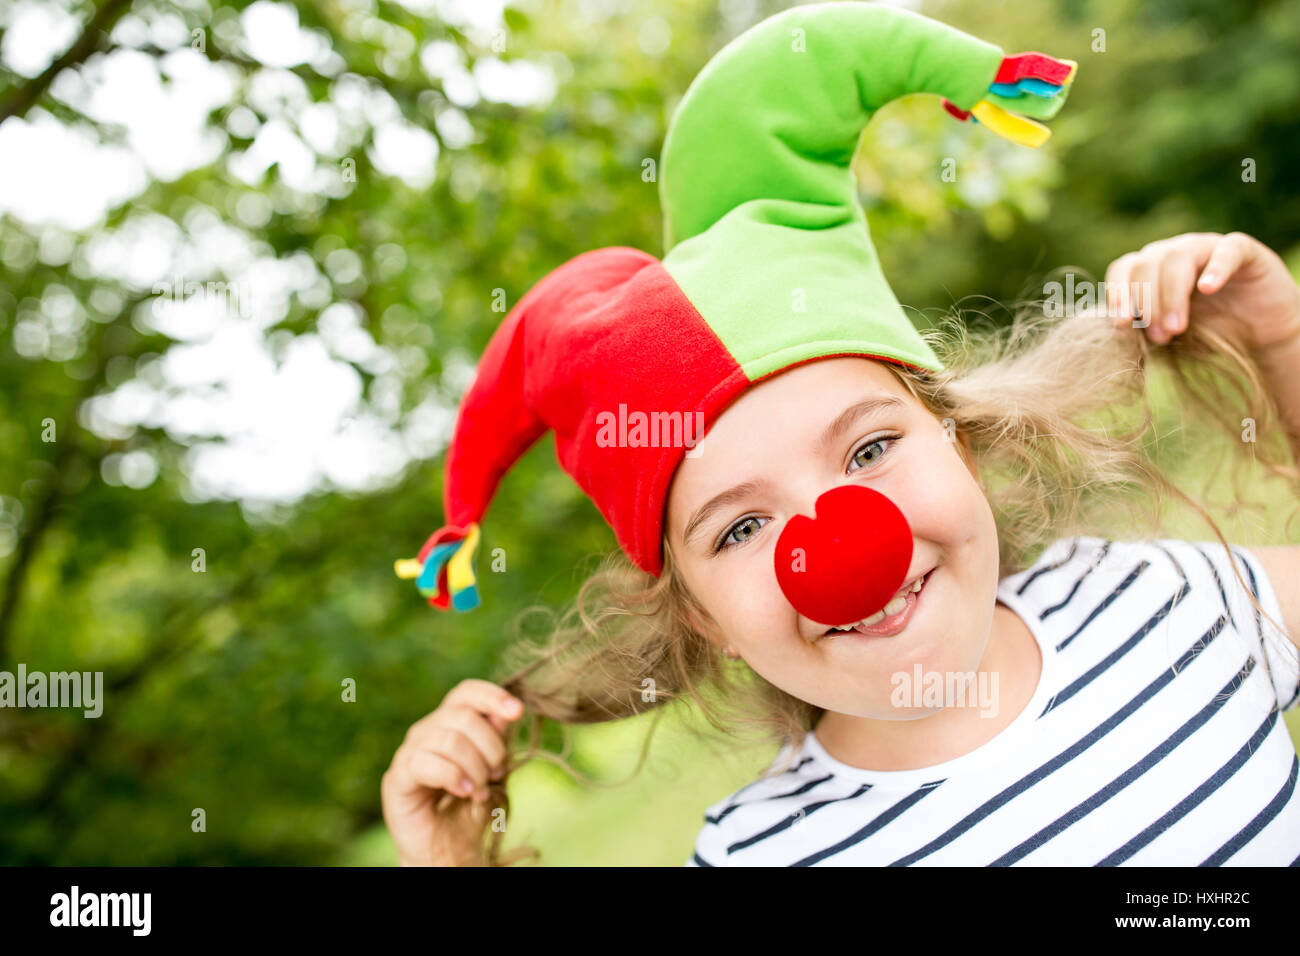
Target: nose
847 561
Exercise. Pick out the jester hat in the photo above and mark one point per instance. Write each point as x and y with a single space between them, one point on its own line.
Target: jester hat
768 264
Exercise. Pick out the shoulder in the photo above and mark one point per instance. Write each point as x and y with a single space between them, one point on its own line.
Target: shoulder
1085 565
730 823
1279 565
1102 591
1067 564
1268 616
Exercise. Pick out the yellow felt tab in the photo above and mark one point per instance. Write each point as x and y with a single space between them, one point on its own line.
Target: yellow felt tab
1018 129
460 569
407 568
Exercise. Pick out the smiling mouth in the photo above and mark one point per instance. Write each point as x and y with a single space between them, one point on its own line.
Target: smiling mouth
898 607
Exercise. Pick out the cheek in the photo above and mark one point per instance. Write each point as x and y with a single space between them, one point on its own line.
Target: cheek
940 497
746 601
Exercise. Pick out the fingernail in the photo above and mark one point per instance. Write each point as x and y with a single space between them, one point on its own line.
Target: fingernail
466 786
510 707
1210 278
1171 321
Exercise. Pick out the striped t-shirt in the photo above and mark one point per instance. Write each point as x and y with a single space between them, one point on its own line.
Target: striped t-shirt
1154 737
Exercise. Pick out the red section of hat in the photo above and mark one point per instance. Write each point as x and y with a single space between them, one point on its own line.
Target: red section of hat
608 328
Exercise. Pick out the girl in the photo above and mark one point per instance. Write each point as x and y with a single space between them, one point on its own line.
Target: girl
1032 693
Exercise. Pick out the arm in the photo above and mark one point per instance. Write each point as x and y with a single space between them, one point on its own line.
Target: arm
1281 366
1241 288
1282 565
1232 283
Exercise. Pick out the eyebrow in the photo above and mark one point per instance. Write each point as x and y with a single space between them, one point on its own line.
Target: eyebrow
832 432
851 415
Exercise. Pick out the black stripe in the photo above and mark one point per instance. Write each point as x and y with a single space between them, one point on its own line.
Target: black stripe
1101 556
1253 589
1223 594
699 860
1123 586
1261 820
1194 799
735 797
776 796
1078 812
1061 759
1259 628
880 821
1172 560
1074 546
788 821
1119 652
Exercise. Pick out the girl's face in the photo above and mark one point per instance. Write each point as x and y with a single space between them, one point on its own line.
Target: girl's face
778 447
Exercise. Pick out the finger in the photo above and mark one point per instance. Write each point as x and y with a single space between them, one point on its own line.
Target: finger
479 700
426 770
1230 253
407 784
481 733
1176 280
453 744
1142 294
485 697
1117 287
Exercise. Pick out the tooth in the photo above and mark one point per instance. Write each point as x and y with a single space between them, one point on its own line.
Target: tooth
895 605
879 615
917 585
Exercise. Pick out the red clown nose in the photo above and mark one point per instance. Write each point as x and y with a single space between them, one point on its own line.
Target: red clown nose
848 561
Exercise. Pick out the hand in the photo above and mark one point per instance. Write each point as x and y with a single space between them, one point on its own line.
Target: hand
1231 283
463 740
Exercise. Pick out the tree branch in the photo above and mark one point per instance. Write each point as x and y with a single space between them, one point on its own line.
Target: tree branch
90 40
43 511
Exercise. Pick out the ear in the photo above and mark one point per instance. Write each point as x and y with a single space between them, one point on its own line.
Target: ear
702 627
705 627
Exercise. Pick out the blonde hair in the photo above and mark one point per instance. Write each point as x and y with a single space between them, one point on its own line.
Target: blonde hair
1061 433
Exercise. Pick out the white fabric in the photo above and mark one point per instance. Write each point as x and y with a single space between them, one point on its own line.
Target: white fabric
1142 745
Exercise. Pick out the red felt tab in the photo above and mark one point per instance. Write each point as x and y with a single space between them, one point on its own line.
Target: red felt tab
1039 66
847 562
441 598
955 110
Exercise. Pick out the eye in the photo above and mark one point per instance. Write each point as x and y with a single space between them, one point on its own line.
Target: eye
724 542
880 442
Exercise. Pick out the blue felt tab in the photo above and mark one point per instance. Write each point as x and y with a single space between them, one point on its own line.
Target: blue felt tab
1029 85
466 600
428 579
